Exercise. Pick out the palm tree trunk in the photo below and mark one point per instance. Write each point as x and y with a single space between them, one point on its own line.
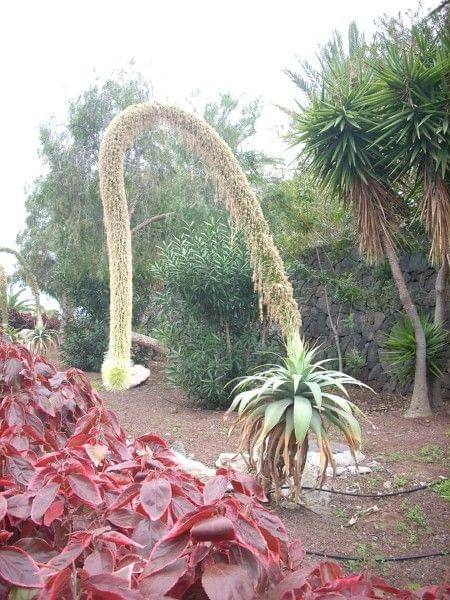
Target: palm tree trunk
420 403
439 319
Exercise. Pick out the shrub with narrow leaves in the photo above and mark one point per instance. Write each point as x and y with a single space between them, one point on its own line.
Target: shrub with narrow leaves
87 513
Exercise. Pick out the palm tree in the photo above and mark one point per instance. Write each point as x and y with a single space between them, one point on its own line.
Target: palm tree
412 99
336 131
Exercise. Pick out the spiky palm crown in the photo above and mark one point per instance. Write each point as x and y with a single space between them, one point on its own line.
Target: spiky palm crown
335 130
233 189
31 281
412 96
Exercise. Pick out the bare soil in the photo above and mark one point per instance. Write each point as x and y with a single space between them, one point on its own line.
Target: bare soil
409 453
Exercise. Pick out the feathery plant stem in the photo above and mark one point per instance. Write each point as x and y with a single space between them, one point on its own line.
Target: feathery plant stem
233 189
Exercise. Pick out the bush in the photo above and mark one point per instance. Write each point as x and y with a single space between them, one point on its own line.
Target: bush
25 320
210 309
400 347
85 512
200 361
85 342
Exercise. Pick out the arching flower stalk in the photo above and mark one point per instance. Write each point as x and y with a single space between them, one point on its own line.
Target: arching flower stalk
31 282
270 280
3 298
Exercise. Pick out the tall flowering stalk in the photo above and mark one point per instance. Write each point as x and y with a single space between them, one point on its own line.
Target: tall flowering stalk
270 280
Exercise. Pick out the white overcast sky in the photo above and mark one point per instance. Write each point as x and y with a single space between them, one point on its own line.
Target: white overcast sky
53 49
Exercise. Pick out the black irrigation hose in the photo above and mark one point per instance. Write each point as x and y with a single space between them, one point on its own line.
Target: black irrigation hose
363 495
383 559
371 495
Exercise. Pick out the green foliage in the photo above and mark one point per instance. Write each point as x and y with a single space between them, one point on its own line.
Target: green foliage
280 406
211 274
354 360
443 488
161 176
84 343
347 289
210 311
400 348
17 303
41 339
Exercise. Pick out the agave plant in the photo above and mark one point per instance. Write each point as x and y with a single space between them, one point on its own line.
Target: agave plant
399 349
41 339
286 403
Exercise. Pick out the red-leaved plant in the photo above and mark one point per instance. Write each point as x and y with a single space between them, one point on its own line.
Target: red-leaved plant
86 513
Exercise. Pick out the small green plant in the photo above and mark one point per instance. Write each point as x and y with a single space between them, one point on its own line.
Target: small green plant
347 289
399 349
354 360
414 514
443 488
17 303
431 453
400 482
41 340
395 456
348 322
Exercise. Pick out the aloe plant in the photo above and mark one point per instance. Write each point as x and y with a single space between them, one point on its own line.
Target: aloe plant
280 406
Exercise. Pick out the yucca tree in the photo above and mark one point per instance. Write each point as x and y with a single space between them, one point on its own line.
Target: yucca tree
412 100
336 132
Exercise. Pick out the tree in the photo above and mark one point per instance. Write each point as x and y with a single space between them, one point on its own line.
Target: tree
412 100
336 130
233 189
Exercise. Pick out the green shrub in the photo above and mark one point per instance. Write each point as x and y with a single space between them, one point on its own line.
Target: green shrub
399 348
354 360
210 312
85 341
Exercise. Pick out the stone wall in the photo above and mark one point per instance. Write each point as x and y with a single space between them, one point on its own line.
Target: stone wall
364 302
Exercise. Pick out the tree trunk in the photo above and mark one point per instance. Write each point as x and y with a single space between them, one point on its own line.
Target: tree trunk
439 319
420 403
148 342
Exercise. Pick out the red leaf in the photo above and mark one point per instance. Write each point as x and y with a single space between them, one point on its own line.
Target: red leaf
215 489
250 535
291 584
155 497
43 499
110 587
157 584
100 561
65 558
37 548
11 369
119 538
3 507
125 518
222 581
15 414
215 529
18 568
54 512
19 506
167 551
296 554
85 489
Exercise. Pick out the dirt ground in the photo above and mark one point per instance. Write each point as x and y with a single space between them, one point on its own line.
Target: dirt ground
409 453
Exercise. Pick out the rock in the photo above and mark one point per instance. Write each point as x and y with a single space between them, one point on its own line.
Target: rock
178 446
234 460
194 467
138 375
